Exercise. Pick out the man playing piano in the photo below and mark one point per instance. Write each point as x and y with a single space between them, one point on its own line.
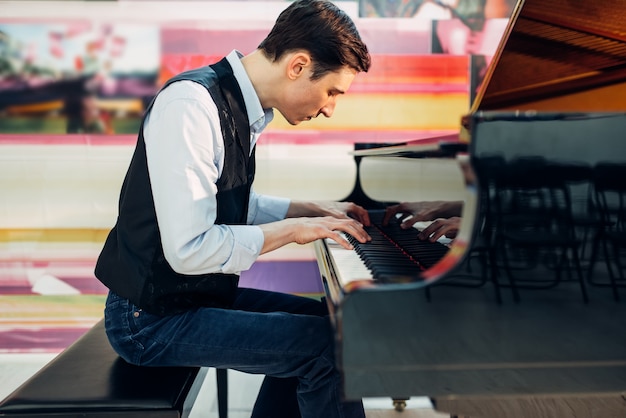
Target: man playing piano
189 221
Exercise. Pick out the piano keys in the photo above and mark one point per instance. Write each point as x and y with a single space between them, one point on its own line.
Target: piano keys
392 256
394 252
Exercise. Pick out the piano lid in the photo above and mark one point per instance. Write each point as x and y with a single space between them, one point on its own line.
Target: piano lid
559 55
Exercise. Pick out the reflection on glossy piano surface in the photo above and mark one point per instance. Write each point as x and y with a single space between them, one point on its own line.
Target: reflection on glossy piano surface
523 313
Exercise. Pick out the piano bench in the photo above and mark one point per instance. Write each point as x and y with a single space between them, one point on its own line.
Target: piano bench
89 380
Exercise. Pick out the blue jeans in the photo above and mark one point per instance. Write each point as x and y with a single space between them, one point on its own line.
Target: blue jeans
287 338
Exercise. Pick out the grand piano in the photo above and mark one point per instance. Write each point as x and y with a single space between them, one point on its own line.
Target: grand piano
451 323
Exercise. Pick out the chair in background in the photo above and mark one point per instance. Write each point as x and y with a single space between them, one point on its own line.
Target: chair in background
476 269
609 182
534 231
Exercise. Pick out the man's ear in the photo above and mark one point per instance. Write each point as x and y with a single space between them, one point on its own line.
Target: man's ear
297 64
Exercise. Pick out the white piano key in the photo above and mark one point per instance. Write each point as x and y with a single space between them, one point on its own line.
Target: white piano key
348 265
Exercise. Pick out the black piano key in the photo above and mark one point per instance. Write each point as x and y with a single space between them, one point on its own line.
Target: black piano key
395 254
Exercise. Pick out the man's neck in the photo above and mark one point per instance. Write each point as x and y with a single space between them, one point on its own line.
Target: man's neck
265 77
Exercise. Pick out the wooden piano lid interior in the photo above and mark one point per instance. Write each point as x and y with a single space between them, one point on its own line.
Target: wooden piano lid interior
559 55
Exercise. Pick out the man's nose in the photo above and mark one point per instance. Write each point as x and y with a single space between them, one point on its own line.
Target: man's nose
329 108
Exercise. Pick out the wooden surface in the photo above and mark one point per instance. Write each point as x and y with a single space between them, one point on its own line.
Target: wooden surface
575 406
408 413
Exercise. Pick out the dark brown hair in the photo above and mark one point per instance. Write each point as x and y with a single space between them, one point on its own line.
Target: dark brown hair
322 29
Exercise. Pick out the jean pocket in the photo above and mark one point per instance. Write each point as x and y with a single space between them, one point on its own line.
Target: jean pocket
113 301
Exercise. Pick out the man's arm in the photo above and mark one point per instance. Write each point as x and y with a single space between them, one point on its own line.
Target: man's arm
184 164
184 149
308 229
307 221
341 210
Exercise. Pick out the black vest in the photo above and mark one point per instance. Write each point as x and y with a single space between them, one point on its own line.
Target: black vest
132 263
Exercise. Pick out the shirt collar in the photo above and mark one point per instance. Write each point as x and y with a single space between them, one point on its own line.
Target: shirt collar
258 117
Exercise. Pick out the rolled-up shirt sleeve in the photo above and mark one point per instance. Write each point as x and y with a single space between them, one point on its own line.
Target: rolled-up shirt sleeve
185 153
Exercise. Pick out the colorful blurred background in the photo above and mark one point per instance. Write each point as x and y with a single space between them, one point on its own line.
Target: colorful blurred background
75 77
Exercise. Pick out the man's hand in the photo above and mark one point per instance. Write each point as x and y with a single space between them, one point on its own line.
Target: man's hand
308 229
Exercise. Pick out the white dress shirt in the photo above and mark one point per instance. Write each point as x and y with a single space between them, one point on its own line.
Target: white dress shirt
185 153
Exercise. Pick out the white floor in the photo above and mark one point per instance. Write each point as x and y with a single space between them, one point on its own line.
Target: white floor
17 368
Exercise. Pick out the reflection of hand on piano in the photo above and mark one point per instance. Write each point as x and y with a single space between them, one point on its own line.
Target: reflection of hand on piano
443 217
442 227
408 213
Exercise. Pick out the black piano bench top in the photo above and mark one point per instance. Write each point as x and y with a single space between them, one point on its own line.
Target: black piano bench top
89 379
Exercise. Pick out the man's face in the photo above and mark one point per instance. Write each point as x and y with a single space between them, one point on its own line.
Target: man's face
306 99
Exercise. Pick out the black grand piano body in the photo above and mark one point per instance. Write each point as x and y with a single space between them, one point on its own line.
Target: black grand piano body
438 337
493 349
